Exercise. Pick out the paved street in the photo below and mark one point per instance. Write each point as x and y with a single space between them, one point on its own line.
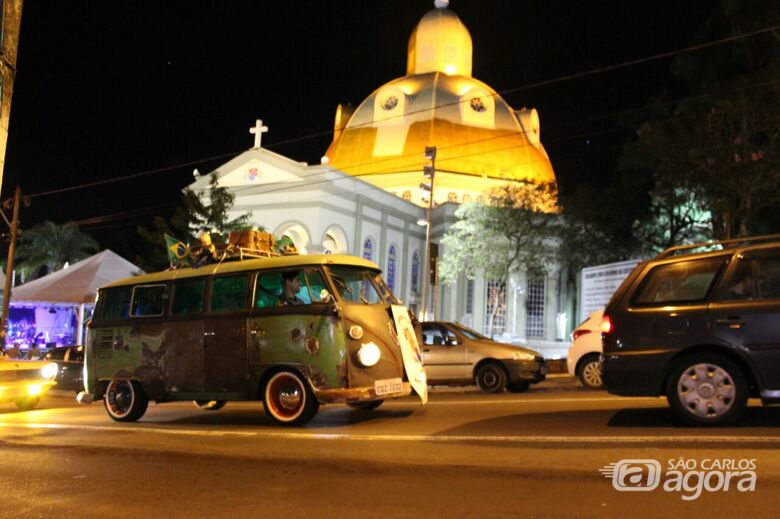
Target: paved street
533 455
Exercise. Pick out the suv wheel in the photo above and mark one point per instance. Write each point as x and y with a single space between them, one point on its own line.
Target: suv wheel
706 389
589 372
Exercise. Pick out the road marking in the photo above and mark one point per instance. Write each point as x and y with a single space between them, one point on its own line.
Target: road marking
401 437
546 400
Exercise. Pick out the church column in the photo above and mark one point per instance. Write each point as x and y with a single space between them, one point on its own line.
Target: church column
383 245
405 293
357 238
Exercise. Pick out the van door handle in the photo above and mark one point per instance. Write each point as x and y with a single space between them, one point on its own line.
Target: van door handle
732 322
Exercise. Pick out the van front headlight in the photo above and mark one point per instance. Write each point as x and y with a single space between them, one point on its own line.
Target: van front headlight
368 354
50 370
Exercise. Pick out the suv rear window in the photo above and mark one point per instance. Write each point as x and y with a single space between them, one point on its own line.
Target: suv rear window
684 281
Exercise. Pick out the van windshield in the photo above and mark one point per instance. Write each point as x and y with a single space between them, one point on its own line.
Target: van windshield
360 285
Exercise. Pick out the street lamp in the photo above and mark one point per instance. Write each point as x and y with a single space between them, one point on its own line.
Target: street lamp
430 172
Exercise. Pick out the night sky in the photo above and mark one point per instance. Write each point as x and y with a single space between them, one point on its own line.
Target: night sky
110 89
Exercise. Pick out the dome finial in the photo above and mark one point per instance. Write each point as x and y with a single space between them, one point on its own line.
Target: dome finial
441 4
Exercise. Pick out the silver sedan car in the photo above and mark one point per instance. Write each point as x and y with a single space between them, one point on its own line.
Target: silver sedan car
454 354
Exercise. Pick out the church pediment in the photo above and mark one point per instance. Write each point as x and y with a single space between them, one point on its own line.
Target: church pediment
255 168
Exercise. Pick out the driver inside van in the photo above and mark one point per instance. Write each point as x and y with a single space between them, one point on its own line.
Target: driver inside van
291 285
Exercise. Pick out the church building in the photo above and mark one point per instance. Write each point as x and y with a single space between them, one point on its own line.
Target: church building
368 196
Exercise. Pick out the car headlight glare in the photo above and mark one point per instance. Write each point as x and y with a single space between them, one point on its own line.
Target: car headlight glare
524 355
368 354
50 370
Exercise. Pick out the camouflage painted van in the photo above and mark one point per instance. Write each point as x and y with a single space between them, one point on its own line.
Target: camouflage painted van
293 331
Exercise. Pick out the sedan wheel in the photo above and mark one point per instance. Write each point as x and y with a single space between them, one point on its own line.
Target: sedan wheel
707 390
590 373
28 403
491 378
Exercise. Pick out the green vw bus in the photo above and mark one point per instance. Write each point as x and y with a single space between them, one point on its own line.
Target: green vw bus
293 331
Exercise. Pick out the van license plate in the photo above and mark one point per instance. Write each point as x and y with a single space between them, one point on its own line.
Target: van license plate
388 385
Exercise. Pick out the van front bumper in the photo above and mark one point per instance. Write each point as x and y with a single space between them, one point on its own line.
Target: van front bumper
348 395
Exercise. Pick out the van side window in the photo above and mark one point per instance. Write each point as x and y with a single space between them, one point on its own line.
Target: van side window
115 303
229 293
148 300
757 276
188 296
685 281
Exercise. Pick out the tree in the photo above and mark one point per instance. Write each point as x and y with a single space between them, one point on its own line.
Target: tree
711 151
511 232
193 217
46 248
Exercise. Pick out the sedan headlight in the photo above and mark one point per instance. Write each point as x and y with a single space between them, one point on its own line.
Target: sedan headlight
368 354
524 355
50 370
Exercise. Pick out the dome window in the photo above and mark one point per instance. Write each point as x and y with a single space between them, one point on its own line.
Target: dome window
477 105
390 103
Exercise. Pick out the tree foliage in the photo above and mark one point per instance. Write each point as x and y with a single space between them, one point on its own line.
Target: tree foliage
709 150
194 216
511 232
46 247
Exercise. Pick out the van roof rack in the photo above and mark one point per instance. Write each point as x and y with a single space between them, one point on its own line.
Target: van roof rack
723 243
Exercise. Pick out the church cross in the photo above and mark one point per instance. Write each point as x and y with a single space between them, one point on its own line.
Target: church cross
258 130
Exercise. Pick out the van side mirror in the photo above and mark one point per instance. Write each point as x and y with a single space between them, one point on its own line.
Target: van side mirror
325 296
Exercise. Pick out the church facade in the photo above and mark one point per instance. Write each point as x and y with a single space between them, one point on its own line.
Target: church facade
366 197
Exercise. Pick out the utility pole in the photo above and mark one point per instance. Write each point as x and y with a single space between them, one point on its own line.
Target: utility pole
9 270
430 172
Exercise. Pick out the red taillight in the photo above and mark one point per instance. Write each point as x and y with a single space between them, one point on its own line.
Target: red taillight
606 324
578 333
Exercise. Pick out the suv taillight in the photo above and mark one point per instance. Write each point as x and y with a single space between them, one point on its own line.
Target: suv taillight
578 333
606 324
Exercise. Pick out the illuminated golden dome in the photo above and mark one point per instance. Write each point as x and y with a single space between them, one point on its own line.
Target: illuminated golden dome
481 141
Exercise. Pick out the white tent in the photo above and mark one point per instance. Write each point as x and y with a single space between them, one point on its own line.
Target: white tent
77 284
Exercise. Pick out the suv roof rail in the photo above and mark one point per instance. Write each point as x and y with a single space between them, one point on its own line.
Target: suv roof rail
745 239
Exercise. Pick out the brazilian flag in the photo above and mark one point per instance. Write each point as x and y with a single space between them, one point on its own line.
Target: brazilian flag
178 252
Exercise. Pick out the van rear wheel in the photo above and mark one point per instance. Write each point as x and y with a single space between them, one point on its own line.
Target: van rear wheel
288 400
707 389
125 400
209 405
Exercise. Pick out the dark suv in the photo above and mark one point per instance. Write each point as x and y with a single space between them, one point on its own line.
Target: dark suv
701 328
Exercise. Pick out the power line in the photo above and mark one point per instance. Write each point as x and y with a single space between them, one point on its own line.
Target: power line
433 108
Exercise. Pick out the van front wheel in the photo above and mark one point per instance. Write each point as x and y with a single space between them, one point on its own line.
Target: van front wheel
125 400
288 400
707 389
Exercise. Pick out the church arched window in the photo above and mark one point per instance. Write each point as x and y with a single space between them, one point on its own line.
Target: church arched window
368 249
391 267
416 272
